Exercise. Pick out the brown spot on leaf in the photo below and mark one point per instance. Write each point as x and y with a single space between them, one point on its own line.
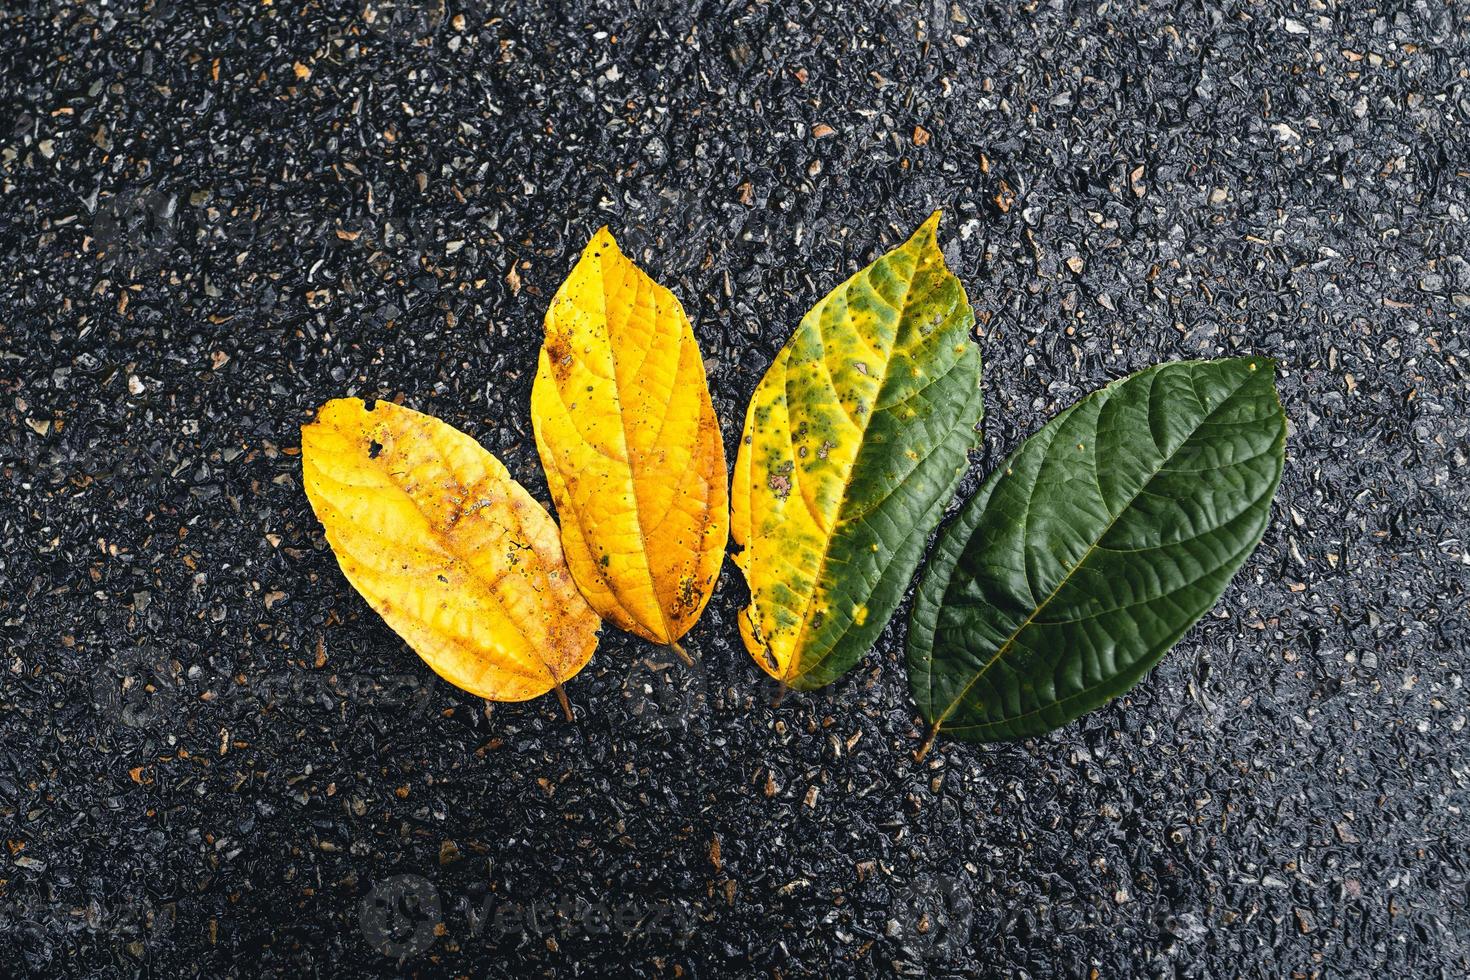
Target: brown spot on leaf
559 353
780 479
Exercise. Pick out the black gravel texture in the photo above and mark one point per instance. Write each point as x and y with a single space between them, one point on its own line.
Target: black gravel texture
213 219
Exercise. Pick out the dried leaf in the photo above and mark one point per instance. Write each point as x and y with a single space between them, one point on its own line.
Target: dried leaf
454 554
631 446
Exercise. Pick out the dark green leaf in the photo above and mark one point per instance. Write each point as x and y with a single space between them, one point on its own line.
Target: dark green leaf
1085 557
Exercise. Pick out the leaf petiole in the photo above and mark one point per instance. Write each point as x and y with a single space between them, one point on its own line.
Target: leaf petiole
928 742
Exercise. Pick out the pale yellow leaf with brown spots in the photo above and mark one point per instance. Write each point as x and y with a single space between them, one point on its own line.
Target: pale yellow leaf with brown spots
455 555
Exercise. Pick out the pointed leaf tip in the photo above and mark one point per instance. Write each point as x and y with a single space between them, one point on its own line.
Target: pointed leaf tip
602 238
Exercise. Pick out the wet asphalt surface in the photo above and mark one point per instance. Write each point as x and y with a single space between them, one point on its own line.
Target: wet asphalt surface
213 220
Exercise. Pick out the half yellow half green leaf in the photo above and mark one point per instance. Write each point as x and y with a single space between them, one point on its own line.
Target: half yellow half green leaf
854 441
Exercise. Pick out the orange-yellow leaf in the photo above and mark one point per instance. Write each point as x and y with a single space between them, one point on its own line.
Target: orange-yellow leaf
631 446
455 555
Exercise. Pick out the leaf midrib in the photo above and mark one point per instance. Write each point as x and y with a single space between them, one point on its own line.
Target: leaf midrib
424 429
1092 688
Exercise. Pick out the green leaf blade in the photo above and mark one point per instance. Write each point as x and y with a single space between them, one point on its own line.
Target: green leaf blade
1095 547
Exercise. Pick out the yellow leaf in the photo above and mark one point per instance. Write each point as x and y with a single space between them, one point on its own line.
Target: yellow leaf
455 555
631 446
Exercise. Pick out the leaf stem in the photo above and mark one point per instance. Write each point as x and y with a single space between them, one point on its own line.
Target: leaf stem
683 654
928 742
566 706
